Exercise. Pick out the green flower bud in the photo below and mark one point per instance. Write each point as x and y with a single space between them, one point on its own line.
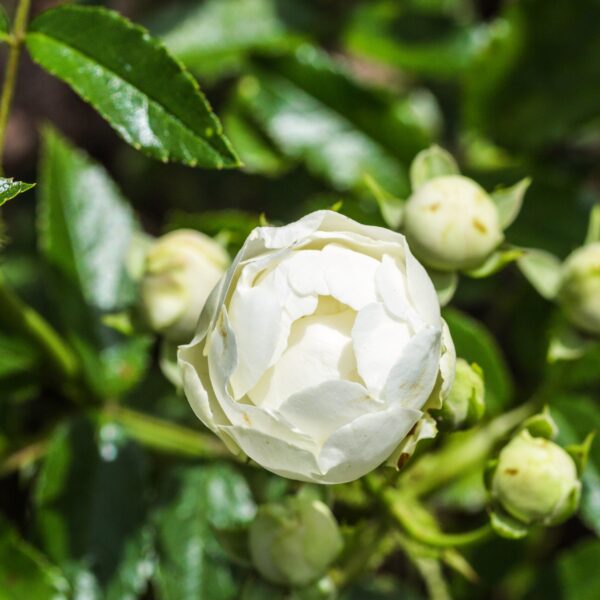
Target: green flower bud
465 404
579 291
180 271
536 481
452 223
293 543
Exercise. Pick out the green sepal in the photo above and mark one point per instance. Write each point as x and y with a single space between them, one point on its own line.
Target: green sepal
9 188
506 526
429 164
509 201
580 452
445 284
391 207
488 473
567 343
542 270
495 262
593 231
234 541
541 425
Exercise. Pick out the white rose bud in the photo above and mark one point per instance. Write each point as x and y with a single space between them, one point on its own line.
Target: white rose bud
452 223
293 543
180 271
536 481
318 350
579 291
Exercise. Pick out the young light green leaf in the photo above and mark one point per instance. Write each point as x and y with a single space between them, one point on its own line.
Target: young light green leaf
430 163
445 283
85 230
495 262
132 81
9 188
593 232
509 201
566 343
90 505
191 563
24 572
391 207
542 270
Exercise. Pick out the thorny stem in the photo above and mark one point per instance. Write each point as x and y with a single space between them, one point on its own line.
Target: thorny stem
12 64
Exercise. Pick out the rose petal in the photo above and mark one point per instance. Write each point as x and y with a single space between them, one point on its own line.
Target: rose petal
378 342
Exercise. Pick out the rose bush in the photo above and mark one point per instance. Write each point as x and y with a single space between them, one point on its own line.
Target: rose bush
320 350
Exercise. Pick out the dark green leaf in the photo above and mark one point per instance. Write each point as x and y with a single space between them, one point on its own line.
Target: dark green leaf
316 113
4 23
133 82
474 343
576 417
388 32
24 572
578 571
18 356
191 563
10 188
216 36
86 229
90 502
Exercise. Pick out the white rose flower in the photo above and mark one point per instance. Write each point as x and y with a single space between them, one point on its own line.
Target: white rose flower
180 270
319 349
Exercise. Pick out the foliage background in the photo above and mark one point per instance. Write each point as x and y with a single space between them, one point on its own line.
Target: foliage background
312 94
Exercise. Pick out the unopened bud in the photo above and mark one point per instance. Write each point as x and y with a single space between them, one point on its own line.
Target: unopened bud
292 543
181 269
536 481
465 404
579 292
452 223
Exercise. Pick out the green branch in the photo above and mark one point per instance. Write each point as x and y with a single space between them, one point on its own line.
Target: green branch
12 65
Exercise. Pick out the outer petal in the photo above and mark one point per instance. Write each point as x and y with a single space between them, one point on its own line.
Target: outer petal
361 446
412 378
320 410
421 290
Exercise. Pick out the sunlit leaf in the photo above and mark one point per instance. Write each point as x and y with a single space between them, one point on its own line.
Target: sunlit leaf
10 188
132 81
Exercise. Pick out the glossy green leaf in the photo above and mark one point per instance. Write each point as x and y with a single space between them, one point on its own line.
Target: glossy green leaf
191 563
9 188
341 130
509 200
577 569
132 81
215 37
542 270
24 572
577 416
256 152
430 163
90 504
85 229
474 343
